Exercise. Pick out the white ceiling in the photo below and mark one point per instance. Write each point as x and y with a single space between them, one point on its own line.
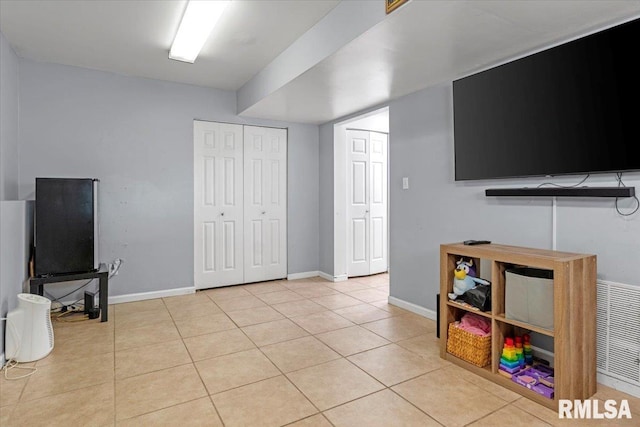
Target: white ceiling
133 37
421 44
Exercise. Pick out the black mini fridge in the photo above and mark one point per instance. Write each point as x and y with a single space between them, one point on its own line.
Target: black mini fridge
66 226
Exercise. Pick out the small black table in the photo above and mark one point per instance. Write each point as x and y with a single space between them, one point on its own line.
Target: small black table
36 285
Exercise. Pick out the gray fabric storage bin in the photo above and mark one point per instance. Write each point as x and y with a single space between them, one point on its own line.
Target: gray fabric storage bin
529 296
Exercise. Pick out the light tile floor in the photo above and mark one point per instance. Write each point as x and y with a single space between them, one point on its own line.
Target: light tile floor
301 353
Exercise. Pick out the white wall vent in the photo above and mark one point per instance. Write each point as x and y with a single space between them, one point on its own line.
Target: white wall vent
618 336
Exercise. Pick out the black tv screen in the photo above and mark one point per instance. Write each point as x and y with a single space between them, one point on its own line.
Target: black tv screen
570 109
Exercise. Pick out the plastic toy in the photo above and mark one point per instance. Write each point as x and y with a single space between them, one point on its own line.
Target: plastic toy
538 378
509 361
520 351
464 278
526 347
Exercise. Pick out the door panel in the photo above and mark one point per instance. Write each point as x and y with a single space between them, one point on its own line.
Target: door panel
358 262
366 202
209 254
275 242
377 239
359 183
265 210
359 226
378 203
256 243
218 212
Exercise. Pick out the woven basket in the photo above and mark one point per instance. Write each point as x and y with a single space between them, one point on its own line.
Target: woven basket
469 347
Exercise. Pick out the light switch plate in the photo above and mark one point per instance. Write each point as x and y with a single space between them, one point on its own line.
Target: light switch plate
405 183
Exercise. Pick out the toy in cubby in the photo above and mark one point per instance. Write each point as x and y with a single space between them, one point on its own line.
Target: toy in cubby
520 351
509 362
538 378
516 355
528 354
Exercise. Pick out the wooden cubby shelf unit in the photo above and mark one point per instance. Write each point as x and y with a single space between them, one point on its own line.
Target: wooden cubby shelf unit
574 313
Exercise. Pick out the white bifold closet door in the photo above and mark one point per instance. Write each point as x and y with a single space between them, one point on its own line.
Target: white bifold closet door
265 203
218 204
239 204
367 244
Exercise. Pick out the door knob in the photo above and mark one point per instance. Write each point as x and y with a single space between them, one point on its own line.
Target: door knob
263 212
366 211
221 213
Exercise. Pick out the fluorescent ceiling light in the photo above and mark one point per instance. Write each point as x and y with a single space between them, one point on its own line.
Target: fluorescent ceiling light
197 22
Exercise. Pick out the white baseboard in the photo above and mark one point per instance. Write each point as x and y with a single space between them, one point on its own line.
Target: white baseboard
2 361
332 278
118 299
304 275
325 276
616 384
414 308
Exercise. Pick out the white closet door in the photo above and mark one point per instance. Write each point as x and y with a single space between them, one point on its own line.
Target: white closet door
265 203
218 204
366 203
378 202
358 177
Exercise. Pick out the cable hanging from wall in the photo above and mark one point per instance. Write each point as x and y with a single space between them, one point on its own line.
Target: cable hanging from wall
553 184
621 184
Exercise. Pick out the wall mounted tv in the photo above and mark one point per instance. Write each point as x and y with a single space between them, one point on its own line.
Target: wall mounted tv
571 109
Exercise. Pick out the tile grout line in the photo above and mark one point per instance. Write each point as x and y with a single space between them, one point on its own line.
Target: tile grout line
287 378
158 370
215 408
412 404
281 373
310 416
196 368
530 413
490 413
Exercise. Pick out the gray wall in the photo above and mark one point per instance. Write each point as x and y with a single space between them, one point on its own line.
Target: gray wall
436 209
136 136
9 114
594 226
9 110
326 198
304 210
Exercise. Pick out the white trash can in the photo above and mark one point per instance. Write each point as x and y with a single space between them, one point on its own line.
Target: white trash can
29 333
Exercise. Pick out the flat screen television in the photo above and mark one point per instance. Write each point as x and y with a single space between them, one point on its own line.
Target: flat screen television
66 226
570 109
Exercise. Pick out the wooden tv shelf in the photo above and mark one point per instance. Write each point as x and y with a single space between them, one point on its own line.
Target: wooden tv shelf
574 312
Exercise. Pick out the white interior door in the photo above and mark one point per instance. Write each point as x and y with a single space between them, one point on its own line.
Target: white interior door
378 202
265 203
358 251
218 204
366 202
